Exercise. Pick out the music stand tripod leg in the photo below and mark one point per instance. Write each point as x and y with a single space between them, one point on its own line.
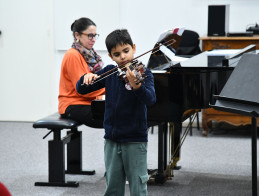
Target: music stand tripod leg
254 156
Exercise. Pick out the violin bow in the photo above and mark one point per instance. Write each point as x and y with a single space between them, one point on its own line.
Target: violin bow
126 64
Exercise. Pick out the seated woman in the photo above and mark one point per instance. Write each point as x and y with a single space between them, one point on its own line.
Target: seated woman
81 58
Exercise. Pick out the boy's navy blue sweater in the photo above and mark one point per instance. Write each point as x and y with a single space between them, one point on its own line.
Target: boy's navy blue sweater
125 118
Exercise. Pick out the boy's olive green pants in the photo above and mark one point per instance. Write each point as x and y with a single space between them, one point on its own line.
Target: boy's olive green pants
125 160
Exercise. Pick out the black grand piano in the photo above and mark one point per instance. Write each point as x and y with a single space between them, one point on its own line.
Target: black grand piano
182 89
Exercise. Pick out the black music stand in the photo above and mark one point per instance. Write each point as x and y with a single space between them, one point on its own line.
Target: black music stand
240 95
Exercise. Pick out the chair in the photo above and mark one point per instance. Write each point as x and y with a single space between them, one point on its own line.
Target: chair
188 47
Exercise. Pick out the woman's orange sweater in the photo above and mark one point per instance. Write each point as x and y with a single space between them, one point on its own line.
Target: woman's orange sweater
72 68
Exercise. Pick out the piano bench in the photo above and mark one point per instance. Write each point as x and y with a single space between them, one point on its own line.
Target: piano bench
56 150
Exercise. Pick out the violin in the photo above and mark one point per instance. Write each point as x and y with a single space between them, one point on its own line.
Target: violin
139 70
134 65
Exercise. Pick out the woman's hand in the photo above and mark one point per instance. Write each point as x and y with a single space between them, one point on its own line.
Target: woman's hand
89 78
132 79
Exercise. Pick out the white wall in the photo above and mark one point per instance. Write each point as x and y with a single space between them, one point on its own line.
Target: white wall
27 59
30 60
146 19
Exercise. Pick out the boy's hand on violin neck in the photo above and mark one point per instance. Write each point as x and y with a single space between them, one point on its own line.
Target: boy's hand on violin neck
89 78
132 79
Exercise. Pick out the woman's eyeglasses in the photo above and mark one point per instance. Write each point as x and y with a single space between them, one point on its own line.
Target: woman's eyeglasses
91 36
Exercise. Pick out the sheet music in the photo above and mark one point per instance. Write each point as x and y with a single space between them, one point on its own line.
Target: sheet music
179 31
158 71
179 59
171 55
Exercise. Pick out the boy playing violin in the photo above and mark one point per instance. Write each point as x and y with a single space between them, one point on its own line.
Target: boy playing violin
125 118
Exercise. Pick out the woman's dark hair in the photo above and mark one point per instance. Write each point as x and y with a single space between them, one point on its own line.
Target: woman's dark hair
118 37
81 24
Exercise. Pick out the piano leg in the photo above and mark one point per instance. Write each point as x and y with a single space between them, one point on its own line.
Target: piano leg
176 144
162 172
160 176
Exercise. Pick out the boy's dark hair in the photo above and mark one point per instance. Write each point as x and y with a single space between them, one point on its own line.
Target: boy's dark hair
118 37
81 24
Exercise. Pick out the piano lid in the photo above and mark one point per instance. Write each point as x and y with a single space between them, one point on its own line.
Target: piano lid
204 59
210 60
207 60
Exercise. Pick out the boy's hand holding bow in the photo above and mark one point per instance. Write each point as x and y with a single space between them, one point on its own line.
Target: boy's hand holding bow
89 78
